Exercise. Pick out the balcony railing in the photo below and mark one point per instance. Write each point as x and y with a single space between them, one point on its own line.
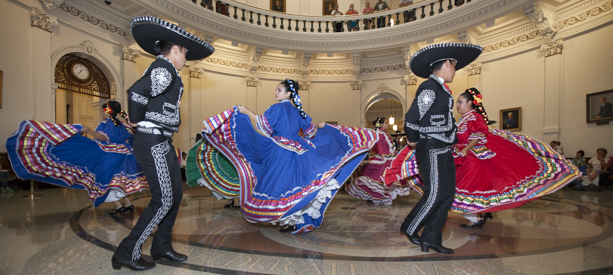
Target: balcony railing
327 24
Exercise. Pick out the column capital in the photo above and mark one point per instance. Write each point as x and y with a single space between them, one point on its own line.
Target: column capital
42 20
305 85
130 54
553 47
356 84
195 72
474 68
252 81
410 79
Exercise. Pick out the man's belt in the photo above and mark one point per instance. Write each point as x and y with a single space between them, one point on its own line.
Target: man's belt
154 131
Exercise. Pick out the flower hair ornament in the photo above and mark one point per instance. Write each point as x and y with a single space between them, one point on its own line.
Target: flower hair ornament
378 122
295 97
477 100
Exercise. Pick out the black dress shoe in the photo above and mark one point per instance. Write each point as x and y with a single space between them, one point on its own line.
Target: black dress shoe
117 211
171 255
425 247
129 208
229 204
479 224
139 264
488 215
288 228
413 238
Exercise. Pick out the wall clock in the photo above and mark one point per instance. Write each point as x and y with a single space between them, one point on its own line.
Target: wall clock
80 71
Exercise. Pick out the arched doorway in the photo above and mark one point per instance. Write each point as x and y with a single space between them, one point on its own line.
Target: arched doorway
388 106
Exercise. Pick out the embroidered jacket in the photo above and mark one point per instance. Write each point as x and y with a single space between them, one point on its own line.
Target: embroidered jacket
155 96
430 115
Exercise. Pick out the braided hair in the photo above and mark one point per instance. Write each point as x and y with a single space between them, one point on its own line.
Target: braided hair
474 96
112 109
378 122
293 87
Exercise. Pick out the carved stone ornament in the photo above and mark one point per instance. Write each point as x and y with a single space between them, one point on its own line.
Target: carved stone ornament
553 47
356 84
130 54
305 85
306 60
255 60
382 87
89 47
410 80
538 17
406 52
474 68
464 37
52 4
42 20
252 81
195 72
356 63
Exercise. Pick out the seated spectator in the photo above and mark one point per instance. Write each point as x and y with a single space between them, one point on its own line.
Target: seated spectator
367 10
338 26
4 180
222 8
408 14
579 160
606 176
591 177
559 149
352 25
600 161
381 6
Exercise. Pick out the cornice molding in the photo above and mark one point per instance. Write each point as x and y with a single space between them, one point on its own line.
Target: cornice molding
219 25
511 42
584 15
92 19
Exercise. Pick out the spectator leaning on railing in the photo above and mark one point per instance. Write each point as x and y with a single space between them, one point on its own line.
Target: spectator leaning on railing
408 14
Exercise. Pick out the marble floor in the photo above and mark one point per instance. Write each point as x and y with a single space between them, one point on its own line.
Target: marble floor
60 232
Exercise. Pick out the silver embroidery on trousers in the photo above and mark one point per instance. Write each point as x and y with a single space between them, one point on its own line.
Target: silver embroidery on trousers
434 182
158 152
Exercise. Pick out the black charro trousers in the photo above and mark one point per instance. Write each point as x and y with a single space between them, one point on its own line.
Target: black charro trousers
156 156
437 170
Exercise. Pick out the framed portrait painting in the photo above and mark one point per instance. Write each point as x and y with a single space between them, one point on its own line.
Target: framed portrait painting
510 119
599 107
277 5
328 6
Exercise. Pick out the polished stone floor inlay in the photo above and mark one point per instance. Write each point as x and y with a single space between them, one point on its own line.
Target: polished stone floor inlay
568 232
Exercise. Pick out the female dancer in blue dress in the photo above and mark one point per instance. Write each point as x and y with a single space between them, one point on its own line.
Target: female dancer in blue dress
287 177
58 154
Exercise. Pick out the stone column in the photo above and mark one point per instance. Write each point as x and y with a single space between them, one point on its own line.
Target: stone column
553 85
251 95
61 117
42 69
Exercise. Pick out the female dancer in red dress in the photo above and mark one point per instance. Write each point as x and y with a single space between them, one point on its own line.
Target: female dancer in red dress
495 169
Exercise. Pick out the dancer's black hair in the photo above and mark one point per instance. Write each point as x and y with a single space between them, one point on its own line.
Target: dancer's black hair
112 109
379 121
475 98
293 87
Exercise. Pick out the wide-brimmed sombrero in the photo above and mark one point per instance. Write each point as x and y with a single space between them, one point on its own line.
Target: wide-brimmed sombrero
147 30
398 133
462 53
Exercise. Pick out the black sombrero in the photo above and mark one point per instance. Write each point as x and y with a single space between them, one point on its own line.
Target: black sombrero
397 134
147 30
462 53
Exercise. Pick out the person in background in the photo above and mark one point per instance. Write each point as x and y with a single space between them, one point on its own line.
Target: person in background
600 161
579 160
338 26
381 6
367 10
605 176
408 14
352 25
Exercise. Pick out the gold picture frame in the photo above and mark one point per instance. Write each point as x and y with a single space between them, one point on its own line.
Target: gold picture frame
277 5
597 111
328 6
510 119
1 84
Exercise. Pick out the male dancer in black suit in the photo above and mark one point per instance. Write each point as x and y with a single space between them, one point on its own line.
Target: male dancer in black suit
431 130
153 102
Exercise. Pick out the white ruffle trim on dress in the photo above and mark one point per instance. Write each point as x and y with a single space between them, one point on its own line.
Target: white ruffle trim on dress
313 208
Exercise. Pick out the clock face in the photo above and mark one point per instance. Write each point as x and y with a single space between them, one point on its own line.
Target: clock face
80 71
